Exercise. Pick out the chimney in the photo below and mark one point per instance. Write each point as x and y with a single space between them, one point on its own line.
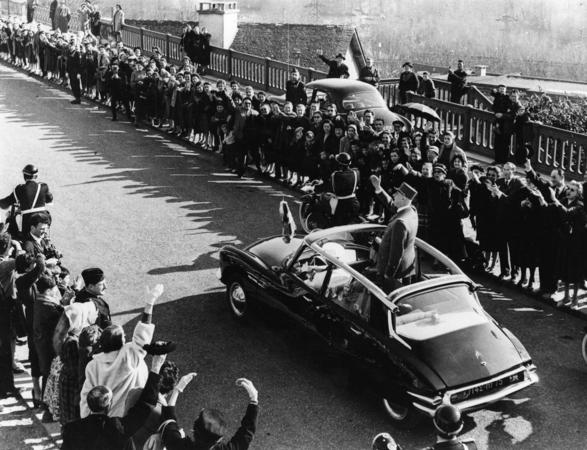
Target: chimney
220 18
481 70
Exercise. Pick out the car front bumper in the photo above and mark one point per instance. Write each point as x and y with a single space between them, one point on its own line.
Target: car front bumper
428 405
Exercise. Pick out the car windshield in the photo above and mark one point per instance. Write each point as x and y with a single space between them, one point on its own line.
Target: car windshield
436 312
362 100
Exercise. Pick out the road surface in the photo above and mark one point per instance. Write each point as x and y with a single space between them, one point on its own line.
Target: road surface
149 209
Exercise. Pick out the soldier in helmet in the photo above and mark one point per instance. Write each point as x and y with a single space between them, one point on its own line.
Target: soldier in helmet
344 186
448 422
26 199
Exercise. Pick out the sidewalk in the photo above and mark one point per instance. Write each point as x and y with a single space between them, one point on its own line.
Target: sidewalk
20 425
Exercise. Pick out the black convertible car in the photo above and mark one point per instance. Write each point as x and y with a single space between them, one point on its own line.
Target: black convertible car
427 343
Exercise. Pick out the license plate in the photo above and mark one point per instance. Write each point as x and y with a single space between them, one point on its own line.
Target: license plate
483 389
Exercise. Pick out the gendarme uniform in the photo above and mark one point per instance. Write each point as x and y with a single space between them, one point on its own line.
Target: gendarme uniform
344 186
28 198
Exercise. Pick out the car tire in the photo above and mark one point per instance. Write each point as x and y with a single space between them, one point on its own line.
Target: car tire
584 347
237 297
400 415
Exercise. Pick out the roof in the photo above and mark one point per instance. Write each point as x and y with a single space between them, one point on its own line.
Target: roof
283 42
575 89
341 84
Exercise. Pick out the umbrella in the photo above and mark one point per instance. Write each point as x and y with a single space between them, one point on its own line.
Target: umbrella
420 110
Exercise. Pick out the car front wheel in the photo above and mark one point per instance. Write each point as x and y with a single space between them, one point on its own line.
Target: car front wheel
401 415
237 296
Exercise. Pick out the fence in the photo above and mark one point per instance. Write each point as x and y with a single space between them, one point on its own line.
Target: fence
471 121
474 130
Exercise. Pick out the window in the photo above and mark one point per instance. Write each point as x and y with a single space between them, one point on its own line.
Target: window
349 293
362 100
437 312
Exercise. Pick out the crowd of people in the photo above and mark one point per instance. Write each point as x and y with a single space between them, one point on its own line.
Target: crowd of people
298 144
85 375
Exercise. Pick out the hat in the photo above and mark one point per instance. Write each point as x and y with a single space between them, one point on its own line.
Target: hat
434 149
407 63
398 121
340 55
448 133
384 441
407 191
343 159
92 276
439 167
299 129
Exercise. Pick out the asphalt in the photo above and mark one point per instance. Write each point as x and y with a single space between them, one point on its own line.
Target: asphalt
150 209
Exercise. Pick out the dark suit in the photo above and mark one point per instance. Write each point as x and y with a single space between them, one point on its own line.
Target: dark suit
295 92
100 432
104 319
506 213
408 81
335 70
240 441
34 247
458 85
397 252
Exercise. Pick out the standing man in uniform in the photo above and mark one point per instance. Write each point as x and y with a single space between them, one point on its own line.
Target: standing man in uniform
74 70
458 82
95 285
27 199
344 185
396 257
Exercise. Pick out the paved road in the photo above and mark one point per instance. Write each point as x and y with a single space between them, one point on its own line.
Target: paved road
151 210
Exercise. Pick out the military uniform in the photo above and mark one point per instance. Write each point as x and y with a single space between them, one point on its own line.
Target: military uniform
32 197
344 186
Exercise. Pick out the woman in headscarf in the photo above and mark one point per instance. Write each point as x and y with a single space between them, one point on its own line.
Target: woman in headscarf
75 318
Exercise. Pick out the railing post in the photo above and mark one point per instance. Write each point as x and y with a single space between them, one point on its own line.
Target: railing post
168 46
142 34
310 74
467 125
229 63
266 73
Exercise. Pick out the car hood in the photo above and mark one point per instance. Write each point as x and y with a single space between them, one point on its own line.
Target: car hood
272 251
469 354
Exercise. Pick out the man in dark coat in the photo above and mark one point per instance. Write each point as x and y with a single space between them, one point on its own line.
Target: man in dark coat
93 290
344 186
336 67
35 241
295 90
209 427
396 257
369 74
117 92
408 82
100 432
507 189
504 110
28 198
53 13
74 70
458 82
548 246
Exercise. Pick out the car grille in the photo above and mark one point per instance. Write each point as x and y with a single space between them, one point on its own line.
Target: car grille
486 388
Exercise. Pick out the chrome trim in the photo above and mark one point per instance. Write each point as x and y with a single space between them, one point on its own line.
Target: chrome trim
530 378
491 380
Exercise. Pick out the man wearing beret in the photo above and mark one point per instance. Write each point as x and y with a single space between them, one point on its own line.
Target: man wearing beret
95 286
397 252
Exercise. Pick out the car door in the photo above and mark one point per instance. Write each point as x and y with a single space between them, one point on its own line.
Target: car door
295 287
